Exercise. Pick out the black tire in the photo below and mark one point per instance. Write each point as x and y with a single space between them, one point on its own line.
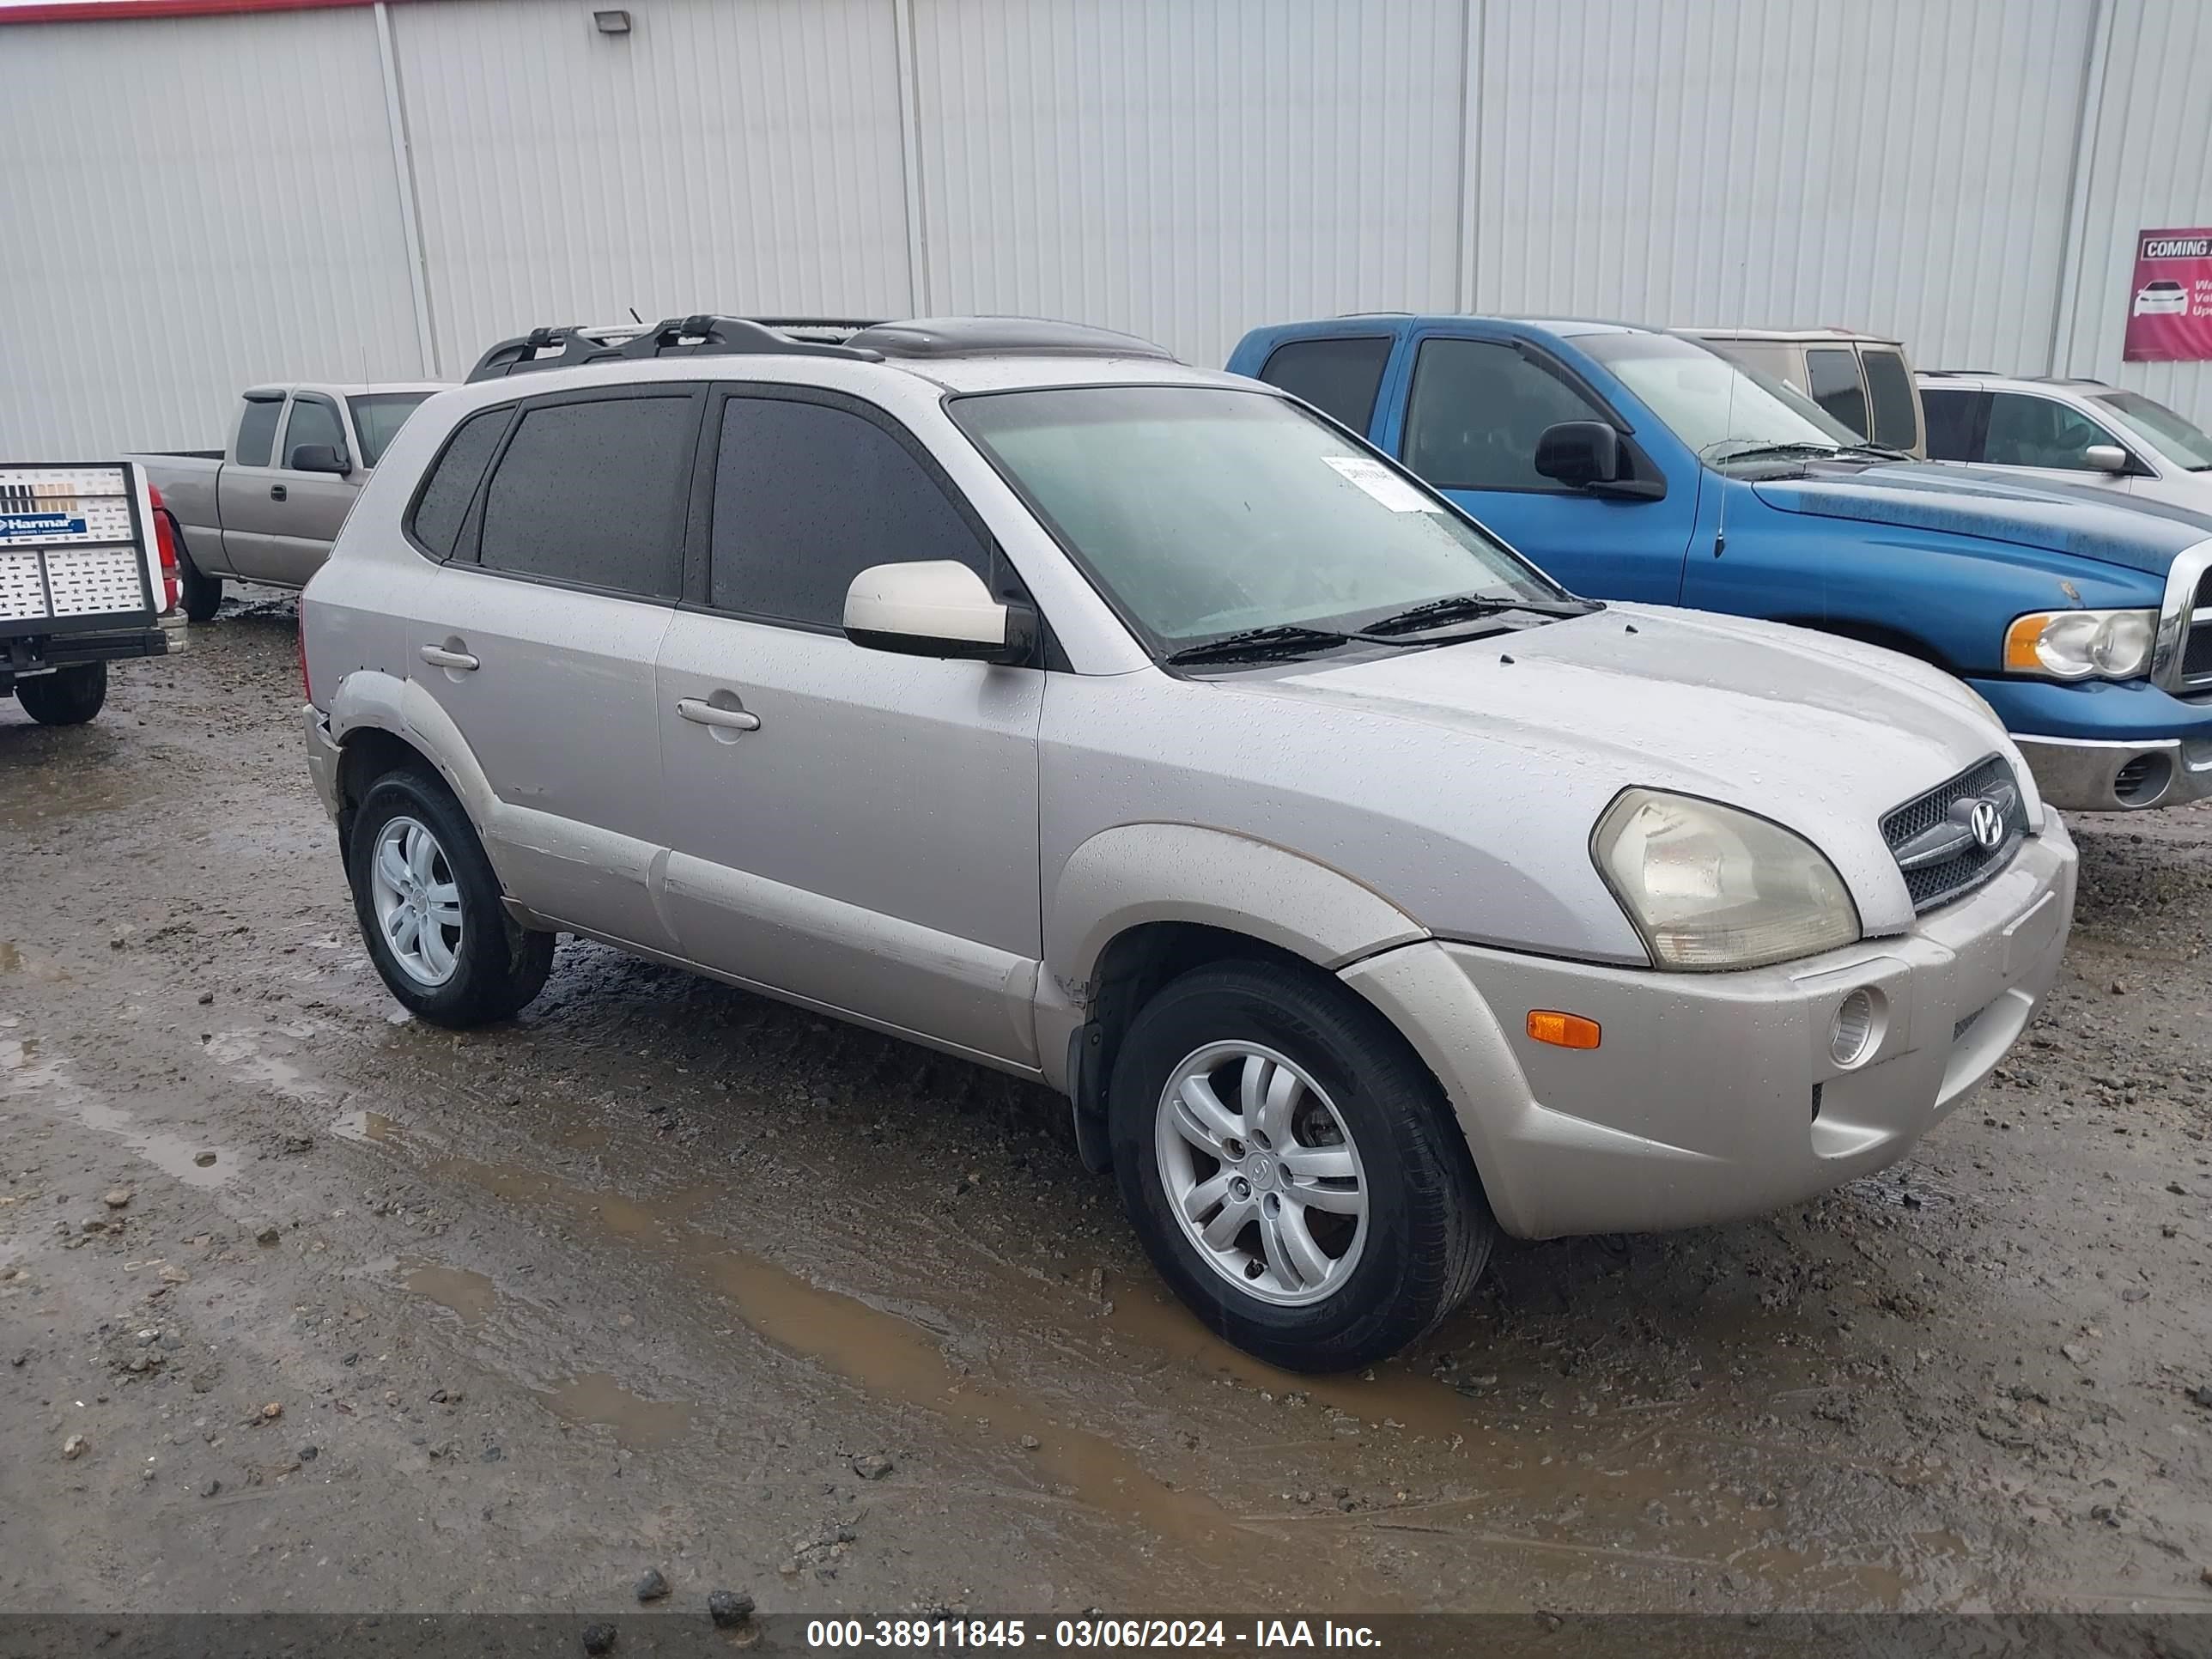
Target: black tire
200 595
68 696
1428 1228
498 967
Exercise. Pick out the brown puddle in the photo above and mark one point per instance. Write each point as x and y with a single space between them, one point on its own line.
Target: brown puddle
471 1295
639 1424
894 1359
192 1162
365 1127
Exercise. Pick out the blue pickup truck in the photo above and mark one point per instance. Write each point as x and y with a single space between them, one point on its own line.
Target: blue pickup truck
1638 465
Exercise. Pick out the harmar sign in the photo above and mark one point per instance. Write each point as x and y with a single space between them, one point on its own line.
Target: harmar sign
2170 303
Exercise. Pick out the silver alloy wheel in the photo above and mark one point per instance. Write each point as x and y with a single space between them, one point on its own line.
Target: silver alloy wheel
418 903
1262 1173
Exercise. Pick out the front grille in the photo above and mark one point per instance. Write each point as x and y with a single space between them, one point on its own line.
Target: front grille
2196 652
1930 836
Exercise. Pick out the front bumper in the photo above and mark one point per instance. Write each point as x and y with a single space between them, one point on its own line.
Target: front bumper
2102 746
2083 774
1714 1097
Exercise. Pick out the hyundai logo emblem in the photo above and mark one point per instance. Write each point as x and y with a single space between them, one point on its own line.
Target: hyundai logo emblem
1988 824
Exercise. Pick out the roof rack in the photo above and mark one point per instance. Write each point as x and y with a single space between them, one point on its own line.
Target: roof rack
1941 373
567 345
1002 337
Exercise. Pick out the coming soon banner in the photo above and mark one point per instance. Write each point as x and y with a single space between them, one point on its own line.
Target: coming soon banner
2169 309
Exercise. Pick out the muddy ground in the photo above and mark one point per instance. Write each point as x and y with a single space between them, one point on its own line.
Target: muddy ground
667 1275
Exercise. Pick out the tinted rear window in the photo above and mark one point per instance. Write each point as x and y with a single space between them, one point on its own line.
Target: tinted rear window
1896 421
257 430
806 496
593 493
452 485
1338 377
1957 422
378 418
1836 388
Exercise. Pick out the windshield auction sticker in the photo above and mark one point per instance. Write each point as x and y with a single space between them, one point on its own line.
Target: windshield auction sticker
1380 482
2170 300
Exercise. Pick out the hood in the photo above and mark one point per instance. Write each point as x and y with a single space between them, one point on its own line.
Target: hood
2088 521
1825 736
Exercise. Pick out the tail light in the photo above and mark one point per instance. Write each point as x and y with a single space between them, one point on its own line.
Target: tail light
306 685
165 540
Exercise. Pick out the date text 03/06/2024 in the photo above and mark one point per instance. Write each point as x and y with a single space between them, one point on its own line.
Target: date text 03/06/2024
1086 1632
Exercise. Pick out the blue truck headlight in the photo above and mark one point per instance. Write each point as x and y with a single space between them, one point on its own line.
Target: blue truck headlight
2079 645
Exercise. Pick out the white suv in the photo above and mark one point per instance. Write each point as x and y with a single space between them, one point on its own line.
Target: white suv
1012 687
2080 431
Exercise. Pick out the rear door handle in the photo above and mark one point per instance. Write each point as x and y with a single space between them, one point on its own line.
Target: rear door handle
701 713
277 492
438 657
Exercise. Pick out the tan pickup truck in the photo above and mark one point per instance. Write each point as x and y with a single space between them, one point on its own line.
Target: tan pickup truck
267 509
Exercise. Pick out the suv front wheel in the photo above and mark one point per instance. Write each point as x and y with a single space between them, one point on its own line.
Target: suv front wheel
429 907
1294 1171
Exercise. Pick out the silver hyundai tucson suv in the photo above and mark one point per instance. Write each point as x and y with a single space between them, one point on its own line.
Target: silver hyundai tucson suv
1012 687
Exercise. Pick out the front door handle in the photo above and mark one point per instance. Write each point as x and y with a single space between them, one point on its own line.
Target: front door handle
707 714
277 492
438 657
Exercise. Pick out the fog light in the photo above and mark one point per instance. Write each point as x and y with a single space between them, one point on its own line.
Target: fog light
1852 1038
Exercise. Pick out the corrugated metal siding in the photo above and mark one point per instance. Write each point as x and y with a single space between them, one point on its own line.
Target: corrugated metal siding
1185 171
190 207
1890 164
2151 169
719 157
1184 168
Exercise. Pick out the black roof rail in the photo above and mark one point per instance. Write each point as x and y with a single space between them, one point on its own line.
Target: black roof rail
567 342
565 345
1937 373
1000 337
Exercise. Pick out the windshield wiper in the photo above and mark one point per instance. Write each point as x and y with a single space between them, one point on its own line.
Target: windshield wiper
1254 644
1777 452
1465 607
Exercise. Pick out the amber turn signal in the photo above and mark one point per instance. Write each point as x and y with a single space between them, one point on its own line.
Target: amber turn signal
2021 639
1562 1030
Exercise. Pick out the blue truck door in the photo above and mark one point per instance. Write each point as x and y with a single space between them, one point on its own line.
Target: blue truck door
1467 420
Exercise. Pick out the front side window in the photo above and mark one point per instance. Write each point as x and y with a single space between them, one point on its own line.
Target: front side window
1957 422
806 496
1338 377
1477 411
1834 383
1202 512
2160 428
2029 431
257 430
313 421
1889 385
377 418
593 493
1723 410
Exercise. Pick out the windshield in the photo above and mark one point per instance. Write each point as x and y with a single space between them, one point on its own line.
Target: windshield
377 418
1718 406
2161 428
1202 511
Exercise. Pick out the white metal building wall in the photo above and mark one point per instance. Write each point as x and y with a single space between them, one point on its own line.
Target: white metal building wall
276 194
189 206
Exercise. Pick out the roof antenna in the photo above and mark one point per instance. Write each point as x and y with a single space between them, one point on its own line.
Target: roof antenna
1728 421
635 318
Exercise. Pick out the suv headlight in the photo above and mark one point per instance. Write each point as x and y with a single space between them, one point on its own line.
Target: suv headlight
1710 887
2074 645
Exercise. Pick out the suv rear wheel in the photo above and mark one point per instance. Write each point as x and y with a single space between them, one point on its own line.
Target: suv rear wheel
429 908
1293 1170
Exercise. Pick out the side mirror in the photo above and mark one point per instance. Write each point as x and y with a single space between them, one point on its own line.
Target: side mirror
2105 457
936 607
1591 455
319 457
